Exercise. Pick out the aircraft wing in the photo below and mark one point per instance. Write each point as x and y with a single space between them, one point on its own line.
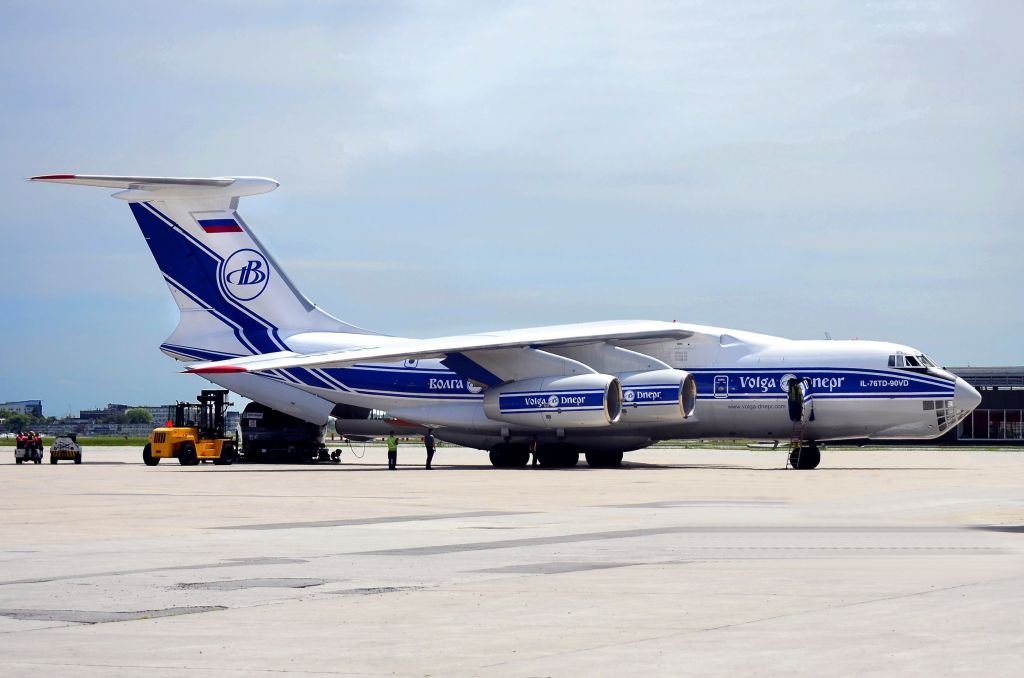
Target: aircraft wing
627 332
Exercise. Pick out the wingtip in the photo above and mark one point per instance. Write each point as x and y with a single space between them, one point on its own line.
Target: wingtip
215 369
53 177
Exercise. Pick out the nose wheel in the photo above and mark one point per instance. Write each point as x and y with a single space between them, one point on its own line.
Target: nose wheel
805 456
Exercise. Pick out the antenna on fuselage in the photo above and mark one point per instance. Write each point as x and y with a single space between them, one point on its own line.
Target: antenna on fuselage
828 336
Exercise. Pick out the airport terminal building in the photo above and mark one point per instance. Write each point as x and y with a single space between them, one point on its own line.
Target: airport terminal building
998 420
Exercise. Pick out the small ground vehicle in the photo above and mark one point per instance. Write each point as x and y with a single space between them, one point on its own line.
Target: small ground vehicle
197 435
66 447
27 450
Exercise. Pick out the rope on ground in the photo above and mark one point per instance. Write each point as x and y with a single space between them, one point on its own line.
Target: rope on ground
353 450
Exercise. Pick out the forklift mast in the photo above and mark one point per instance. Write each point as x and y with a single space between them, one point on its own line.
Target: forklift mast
208 415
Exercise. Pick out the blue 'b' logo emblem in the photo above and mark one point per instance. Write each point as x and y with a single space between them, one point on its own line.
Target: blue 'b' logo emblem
245 274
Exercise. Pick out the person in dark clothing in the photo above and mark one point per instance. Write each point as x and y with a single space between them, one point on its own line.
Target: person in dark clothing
428 442
392 451
795 399
533 449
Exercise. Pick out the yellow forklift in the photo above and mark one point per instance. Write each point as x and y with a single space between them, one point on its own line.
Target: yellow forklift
197 435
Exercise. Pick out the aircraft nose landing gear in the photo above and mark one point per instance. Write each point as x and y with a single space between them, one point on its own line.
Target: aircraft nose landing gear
805 456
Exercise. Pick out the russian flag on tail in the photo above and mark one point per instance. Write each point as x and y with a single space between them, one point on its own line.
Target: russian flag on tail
220 225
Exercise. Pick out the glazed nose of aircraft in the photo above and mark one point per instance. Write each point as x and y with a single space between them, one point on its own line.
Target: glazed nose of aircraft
965 396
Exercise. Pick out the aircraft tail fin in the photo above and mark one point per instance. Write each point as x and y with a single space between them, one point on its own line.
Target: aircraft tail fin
233 296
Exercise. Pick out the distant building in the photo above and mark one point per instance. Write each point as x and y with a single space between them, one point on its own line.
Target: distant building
31 407
111 410
998 419
160 413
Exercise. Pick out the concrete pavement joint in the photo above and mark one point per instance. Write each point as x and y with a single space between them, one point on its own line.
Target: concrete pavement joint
368 521
103 617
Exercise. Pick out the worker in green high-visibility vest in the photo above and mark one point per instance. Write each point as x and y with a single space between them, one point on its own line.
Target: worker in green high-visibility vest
392 451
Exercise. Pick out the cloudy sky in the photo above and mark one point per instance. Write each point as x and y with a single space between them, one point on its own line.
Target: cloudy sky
785 167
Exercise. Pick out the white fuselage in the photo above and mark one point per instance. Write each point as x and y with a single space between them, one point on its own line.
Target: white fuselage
852 391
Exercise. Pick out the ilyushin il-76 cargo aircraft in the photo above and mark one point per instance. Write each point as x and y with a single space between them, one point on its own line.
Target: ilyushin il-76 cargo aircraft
600 388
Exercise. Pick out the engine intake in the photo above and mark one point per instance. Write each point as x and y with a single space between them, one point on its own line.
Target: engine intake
658 396
579 401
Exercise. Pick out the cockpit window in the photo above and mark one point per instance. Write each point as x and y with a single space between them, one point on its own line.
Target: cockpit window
919 363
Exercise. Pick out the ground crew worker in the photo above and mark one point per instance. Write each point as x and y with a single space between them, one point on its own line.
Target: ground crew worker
37 440
428 442
392 451
533 449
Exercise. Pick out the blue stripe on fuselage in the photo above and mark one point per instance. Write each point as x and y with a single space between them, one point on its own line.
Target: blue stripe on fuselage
822 382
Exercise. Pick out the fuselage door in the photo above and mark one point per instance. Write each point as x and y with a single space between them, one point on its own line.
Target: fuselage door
796 399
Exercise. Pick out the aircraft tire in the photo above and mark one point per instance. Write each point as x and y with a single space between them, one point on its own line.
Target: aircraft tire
509 456
147 456
604 459
187 455
559 456
805 458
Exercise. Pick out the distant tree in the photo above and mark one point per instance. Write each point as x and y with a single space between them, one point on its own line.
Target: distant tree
137 415
18 422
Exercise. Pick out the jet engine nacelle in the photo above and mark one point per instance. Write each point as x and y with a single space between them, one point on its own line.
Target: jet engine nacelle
657 396
579 401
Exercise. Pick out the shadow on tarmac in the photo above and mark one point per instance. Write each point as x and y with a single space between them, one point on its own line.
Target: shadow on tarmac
627 466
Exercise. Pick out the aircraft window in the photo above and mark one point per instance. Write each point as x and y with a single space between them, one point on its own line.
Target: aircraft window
912 361
926 361
892 361
899 360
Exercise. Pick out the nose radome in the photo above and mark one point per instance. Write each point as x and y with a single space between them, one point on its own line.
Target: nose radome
965 396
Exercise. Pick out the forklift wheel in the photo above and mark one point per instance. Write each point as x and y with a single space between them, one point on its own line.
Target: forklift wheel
53 460
227 455
18 461
147 456
78 458
187 455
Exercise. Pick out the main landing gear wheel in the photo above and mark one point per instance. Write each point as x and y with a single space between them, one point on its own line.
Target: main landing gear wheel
187 455
604 459
805 457
507 455
558 456
147 456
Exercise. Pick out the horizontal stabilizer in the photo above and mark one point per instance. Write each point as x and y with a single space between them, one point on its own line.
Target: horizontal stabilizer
138 189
